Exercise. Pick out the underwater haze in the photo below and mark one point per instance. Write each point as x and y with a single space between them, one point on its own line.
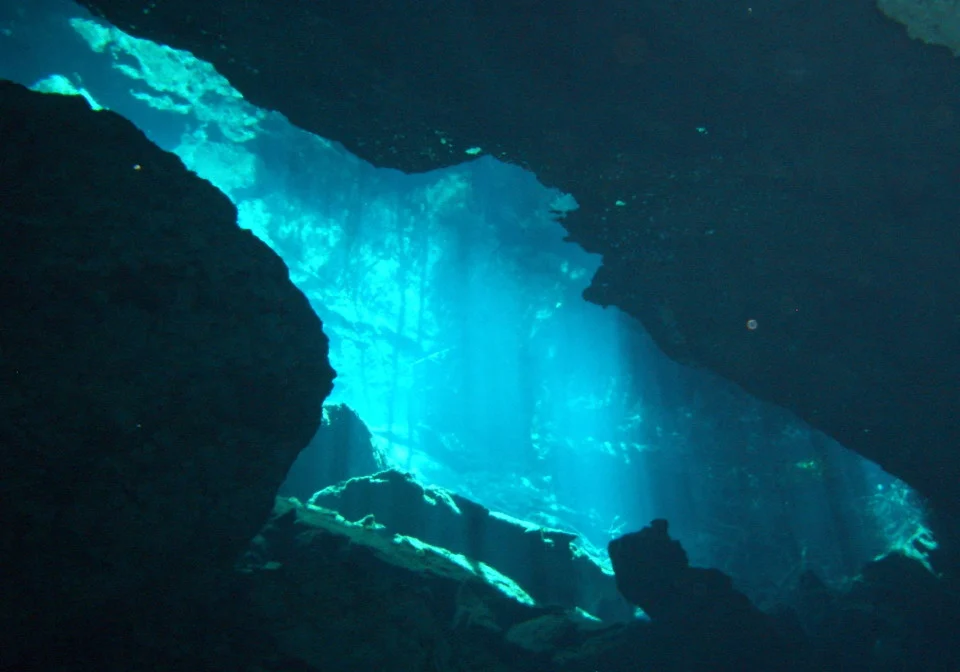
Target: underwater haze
459 335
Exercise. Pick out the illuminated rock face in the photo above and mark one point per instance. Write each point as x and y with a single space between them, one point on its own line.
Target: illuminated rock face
931 21
789 164
160 373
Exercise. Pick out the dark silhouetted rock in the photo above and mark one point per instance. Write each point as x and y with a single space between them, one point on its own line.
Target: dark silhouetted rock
724 630
159 374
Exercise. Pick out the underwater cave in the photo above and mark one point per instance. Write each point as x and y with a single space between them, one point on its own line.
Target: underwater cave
460 337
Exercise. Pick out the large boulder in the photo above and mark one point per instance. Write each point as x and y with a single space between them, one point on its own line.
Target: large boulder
159 375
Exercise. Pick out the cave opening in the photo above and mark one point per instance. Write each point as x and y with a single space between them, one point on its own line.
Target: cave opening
457 328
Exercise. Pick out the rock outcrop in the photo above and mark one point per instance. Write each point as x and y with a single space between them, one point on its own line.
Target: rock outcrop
895 615
552 566
336 595
159 375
